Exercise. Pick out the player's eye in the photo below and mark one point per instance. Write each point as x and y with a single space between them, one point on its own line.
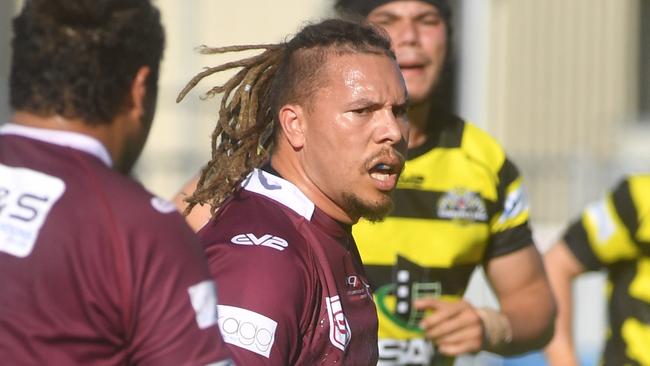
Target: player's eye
365 110
383 21
399 111
432 20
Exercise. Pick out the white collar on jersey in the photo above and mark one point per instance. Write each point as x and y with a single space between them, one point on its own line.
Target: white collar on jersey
73 140
279 190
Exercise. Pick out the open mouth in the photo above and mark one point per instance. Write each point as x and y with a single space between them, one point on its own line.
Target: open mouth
412 65
381 172
385 174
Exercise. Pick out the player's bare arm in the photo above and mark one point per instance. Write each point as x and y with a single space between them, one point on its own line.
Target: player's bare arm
457 327
562 267
526 300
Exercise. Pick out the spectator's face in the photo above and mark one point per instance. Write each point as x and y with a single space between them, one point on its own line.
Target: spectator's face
419 39
356 133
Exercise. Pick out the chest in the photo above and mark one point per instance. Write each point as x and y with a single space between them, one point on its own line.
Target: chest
344 324
450 170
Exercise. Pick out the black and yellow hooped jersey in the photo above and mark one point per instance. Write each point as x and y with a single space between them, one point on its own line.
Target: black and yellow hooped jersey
614 233
459 203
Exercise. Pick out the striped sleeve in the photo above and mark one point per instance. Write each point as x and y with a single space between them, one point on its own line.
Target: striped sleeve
509 229
604 234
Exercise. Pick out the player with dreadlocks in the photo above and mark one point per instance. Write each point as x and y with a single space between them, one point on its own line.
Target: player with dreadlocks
310 138
240 141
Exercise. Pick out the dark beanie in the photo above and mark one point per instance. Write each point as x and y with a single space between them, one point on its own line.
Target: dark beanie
364 7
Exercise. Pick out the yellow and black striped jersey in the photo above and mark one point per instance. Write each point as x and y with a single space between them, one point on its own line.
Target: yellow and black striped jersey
459 202
614 234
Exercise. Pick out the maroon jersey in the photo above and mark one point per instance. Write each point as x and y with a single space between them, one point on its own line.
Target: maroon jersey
93 269
292 290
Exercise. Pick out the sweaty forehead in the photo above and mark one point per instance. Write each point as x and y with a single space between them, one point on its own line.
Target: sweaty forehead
361 74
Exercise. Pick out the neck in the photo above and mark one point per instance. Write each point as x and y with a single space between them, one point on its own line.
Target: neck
287 165
104 133
418 118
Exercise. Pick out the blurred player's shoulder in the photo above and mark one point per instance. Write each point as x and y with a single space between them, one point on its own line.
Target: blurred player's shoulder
131 206
482 147
642 179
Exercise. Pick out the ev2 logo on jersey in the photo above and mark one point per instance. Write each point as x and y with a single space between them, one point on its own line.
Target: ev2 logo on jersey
26 197
266 240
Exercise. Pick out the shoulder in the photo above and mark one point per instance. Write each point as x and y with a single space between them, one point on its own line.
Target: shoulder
250 215
260 261
134 209
267 212
631 200
257 230
638 185
482 147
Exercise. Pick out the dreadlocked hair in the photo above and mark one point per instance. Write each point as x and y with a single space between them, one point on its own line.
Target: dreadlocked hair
283 73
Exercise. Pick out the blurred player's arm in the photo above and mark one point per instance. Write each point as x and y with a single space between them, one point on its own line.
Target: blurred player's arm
527 303
603 235
525 322
516 272
515 269
562 267
200 214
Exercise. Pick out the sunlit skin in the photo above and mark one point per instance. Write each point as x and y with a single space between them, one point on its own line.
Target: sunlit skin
419 39
344 147
331 145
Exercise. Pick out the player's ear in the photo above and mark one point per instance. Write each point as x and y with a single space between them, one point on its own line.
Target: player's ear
292 123
138 92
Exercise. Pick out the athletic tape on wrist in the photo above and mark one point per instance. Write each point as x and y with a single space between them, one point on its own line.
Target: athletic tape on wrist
496 327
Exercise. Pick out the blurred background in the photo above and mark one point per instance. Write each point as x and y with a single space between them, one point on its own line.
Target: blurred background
564 85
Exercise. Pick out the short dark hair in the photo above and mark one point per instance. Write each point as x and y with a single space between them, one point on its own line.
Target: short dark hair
78 58
284 73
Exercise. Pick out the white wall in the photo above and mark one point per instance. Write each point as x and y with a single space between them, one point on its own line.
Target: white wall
179 143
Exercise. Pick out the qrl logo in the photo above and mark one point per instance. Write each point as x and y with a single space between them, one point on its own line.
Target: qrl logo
266 240
340 332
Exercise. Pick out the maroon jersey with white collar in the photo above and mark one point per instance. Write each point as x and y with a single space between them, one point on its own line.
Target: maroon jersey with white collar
94 270
292 290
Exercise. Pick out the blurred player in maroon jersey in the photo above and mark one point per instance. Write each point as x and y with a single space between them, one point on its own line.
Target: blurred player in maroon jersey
94 269
329 109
